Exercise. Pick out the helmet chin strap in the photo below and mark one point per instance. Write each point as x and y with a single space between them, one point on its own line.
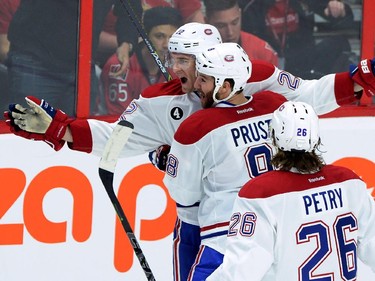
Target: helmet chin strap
216 90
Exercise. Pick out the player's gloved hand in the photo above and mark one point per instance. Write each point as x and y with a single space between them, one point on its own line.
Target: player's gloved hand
364 75
9 120
159 157
38 122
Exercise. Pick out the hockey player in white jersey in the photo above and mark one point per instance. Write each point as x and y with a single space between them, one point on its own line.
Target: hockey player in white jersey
213 147
305 220
162 107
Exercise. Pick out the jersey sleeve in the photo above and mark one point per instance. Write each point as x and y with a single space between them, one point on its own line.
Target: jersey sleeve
149 117
325 94
183 176
250 242
366 243
90 135
150 130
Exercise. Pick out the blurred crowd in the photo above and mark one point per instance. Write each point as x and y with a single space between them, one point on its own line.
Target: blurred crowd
39 43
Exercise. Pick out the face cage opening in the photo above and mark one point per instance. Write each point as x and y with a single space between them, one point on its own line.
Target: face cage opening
183 62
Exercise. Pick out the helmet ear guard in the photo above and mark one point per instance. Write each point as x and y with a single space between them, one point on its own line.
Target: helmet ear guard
225 61
295 127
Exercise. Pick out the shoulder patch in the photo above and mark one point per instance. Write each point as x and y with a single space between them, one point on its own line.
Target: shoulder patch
176 113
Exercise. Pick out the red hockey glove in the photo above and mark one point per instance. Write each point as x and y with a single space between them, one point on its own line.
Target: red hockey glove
364 75
159 157
40 119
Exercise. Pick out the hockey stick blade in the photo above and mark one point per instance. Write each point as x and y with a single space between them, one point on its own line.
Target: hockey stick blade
115 144
112 150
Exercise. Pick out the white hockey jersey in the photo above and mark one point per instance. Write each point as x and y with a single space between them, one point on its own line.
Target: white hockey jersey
161 108
214 153
291 226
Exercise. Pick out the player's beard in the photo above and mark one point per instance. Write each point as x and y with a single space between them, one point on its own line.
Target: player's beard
207 100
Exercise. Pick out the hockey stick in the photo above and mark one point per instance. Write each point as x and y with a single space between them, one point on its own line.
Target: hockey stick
137 24
107 165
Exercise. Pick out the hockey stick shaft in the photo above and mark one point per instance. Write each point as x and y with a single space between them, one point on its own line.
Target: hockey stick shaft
107 165
137 24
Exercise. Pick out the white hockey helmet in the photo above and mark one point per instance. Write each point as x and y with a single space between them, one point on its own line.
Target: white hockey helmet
225 61
192 38
295 127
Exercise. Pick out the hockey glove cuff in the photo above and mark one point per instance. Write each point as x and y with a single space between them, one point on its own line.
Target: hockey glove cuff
364 75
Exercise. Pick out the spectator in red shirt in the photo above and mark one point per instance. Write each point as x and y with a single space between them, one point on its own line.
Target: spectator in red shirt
159 23
225 15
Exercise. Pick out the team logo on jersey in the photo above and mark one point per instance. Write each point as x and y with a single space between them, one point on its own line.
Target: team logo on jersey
113 68
177 113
